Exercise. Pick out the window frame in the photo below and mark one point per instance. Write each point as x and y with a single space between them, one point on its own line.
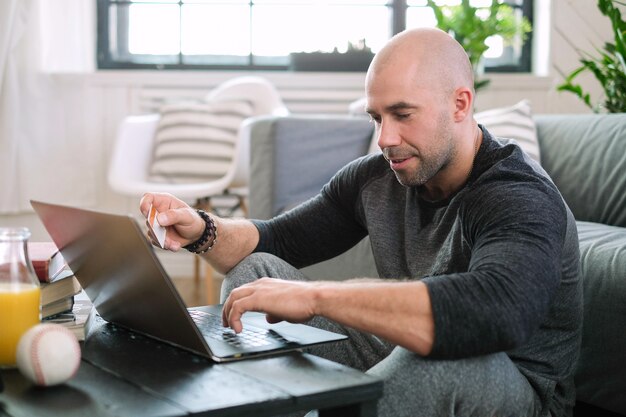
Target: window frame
398 8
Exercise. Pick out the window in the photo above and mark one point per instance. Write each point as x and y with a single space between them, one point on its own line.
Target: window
266 34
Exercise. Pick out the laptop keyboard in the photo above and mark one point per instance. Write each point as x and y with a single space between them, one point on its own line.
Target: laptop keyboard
211 326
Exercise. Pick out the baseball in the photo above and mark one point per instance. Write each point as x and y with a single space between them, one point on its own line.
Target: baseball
48 354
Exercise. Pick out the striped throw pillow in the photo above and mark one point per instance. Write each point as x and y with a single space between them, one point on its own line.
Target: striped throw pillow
195 142
515 123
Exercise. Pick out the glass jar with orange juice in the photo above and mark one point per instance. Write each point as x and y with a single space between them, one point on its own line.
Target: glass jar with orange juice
19 292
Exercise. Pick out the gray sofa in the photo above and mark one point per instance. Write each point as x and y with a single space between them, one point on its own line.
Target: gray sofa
293 157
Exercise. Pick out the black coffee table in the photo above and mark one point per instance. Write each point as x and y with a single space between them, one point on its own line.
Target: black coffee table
126 374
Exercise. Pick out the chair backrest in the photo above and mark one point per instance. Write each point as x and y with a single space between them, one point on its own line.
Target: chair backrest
132 153
134 147
262 93
265 100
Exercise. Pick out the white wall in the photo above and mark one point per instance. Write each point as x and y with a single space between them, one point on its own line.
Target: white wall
102 99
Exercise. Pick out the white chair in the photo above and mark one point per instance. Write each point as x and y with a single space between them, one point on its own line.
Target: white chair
132 153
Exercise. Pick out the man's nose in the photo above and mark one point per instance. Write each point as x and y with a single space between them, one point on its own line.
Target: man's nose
387 135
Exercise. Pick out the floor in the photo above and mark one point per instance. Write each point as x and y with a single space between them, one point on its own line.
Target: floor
195 294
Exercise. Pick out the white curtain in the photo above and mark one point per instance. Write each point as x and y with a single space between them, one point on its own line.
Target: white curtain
43 154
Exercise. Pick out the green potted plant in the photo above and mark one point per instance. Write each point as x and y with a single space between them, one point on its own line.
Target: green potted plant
471 26
609 68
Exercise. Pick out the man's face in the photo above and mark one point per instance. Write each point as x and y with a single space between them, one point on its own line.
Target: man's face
414 125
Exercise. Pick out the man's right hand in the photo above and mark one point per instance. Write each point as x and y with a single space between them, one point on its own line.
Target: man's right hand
183 224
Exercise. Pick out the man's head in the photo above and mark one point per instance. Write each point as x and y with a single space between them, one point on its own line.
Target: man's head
420 94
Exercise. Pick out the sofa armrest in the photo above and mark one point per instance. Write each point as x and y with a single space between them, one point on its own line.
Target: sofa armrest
292 157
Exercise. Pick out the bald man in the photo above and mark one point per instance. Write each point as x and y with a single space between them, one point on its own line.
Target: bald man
477 311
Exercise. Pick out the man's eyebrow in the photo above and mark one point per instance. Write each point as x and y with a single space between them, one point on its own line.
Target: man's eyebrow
402 105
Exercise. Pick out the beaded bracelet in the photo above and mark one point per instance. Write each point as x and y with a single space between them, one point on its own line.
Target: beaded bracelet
210 231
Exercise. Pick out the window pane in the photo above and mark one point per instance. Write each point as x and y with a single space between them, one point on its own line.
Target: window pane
420 17
263 33
498 53
224 2
153 29
496 47
319 3
473 3
480 3
216 30
448 2
281 29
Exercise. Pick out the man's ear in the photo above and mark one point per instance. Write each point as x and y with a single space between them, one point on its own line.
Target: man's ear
464 100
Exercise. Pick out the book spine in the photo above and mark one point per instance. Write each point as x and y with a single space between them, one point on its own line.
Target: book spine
41 270
40 255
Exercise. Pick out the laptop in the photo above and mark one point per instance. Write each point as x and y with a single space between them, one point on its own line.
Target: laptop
117 267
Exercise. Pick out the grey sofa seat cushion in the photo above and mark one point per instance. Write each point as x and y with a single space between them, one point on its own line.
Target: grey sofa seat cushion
601 373
586 157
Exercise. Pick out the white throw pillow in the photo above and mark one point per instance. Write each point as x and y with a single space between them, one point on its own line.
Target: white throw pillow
195 142
515 123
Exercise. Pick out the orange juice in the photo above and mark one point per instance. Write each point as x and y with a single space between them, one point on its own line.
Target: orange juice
19 311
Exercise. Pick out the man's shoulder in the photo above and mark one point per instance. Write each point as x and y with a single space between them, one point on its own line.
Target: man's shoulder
505 174
504 160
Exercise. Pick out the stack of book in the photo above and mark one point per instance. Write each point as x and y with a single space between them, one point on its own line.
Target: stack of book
58 296
58 283
76 320
62 299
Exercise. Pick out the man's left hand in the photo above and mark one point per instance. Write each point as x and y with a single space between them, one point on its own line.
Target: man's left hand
279 299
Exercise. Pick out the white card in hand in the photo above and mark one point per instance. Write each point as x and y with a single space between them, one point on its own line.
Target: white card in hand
158 231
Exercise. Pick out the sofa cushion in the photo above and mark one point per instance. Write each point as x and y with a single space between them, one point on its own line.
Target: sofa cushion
601 374
585 156
514 122
195 142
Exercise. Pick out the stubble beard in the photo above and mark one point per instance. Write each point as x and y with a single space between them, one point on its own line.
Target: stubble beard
431 164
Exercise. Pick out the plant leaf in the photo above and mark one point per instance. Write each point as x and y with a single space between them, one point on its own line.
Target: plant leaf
609 67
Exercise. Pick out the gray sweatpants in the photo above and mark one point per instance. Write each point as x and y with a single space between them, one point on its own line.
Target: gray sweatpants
414 386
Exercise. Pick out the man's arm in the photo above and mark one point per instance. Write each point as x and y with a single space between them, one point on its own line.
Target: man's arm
495 305
236 238
361 304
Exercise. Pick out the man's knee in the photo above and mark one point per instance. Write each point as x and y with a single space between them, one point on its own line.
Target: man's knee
251 264
489 385
242 273
255 266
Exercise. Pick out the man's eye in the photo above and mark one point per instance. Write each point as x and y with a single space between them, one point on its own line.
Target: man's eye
401 116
